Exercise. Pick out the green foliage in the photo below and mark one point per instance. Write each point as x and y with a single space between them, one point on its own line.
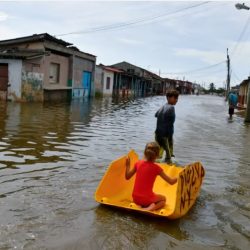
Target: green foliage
212 90
212 87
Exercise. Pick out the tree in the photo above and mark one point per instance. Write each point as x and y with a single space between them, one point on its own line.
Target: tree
220 91
211 87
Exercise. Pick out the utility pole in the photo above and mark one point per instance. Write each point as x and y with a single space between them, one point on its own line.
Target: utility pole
228 75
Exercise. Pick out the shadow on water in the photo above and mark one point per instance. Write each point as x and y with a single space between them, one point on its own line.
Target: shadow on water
172 228
53 154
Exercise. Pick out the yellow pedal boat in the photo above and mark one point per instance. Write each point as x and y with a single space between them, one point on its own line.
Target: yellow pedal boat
115 190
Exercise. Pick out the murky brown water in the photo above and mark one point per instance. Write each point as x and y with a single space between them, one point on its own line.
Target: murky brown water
53 156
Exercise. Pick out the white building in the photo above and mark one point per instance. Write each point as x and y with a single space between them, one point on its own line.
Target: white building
104 80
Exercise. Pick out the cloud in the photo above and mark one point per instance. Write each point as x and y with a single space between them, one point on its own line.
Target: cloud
210 57
7 33
3 16
181 42
130 41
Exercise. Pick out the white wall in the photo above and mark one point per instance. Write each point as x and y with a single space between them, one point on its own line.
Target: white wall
98 79
110 90
15 77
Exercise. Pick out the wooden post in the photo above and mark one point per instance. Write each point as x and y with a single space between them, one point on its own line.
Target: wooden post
114 84
119 85
132 86
228 76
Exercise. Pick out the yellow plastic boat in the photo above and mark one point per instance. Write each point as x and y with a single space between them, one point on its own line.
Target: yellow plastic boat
115 190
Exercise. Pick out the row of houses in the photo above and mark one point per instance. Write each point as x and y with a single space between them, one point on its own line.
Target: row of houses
243 93
44 68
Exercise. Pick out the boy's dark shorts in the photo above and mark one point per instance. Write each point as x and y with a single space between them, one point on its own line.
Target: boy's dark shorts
231 111
166 143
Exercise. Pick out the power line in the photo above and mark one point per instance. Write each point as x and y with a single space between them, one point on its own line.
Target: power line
130 23
206 10
241 35
194 70
238 79
235 75
201 74
214 72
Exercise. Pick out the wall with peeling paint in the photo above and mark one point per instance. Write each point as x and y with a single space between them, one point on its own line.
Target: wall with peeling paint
32 86
32 80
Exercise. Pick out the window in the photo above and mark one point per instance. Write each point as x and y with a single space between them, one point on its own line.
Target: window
108 83
54 72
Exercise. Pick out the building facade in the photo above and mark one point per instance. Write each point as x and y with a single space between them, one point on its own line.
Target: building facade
105 80
136 81
44 68
243 93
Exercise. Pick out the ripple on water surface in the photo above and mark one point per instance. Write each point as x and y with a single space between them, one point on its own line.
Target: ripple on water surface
54 155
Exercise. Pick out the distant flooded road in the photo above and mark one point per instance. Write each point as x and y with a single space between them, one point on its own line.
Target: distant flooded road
52 157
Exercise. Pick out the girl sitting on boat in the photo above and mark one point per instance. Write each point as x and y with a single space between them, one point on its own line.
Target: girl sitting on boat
146 173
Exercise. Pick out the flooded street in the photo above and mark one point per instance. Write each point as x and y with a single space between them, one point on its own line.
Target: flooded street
52 157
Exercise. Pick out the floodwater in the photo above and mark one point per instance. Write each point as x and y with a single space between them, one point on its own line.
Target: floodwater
52 157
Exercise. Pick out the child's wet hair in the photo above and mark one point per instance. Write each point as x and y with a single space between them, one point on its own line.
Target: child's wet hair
152 151
172 92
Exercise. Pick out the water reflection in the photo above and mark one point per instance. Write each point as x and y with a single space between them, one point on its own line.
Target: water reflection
54 155
32 132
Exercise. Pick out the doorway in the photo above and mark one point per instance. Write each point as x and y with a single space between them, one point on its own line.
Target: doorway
4 79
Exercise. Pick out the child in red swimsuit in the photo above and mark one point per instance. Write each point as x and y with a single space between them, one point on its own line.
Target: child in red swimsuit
146 173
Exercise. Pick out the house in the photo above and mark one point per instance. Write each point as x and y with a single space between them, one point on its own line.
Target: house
184 87
42 68
106 79
136 81
196 89
158 84
243 93
169 84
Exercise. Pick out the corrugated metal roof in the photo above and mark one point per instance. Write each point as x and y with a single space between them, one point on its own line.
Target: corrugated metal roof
34 38
150 74
43 38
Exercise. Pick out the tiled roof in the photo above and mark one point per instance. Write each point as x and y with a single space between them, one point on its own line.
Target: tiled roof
112 69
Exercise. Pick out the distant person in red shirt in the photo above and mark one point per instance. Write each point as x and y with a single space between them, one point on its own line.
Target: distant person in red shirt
146 173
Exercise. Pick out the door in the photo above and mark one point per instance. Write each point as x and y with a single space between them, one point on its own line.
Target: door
4 78
86 82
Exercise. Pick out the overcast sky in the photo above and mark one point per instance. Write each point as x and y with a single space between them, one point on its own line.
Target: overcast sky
178 39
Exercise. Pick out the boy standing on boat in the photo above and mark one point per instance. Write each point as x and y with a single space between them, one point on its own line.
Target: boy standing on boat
165 124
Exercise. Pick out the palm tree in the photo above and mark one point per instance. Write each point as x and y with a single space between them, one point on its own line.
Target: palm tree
211 87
